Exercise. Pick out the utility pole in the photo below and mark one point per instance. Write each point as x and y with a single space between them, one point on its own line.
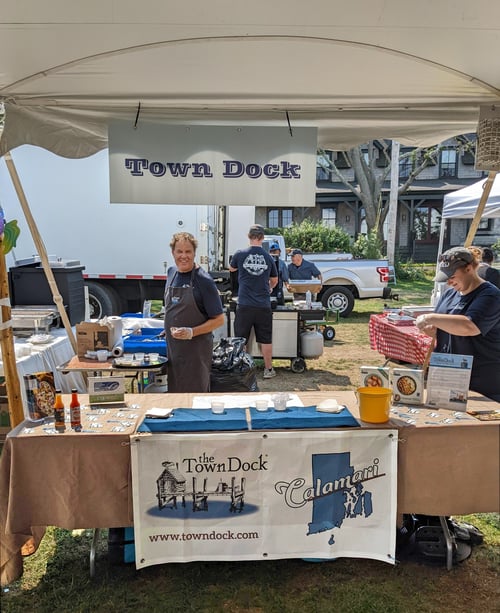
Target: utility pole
393 203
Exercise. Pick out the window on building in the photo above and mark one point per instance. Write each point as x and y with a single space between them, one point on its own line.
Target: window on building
329 217
485 224
448 163
322 165
279 218
405 165
427 223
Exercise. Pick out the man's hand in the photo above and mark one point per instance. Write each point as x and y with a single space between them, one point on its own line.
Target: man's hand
182 334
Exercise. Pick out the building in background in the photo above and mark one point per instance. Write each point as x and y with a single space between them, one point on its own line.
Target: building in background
419 208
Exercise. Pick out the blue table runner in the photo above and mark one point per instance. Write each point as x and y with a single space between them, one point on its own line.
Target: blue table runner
203 420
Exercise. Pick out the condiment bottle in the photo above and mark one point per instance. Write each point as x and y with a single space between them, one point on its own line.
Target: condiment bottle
74 411
59 424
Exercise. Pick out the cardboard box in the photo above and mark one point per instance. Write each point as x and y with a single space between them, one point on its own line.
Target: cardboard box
408 385
91 336
375 376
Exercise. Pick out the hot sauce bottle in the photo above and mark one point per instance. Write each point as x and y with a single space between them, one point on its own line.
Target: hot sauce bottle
59 424
74 411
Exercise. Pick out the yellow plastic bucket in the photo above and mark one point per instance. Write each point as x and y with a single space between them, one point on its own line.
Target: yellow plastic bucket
374 404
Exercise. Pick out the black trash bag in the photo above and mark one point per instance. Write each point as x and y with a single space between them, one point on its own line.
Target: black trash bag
233 369
228 353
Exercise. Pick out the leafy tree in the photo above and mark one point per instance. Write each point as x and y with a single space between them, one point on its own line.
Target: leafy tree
371 163
315 237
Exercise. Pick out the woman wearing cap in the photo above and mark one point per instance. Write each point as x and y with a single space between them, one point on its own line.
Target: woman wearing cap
466 320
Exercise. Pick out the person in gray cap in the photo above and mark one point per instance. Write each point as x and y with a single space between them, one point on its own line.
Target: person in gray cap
275 251
466 320
302 270
257 276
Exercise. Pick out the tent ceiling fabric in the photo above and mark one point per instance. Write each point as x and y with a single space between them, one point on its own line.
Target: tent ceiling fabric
414 72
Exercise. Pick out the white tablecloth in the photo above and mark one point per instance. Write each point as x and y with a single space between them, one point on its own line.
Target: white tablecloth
45 358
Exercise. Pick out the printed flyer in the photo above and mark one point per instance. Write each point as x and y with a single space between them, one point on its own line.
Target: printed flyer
448 381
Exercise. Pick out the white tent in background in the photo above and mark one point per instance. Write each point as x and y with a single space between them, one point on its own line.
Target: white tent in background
463 203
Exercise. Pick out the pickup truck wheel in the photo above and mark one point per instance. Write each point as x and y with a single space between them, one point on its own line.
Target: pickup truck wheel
103 300
338 299
298 365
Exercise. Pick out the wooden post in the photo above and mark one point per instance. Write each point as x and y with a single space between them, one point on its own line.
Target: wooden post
42 252
488 184
16 411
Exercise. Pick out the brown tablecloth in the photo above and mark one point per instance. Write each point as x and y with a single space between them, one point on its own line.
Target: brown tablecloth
447 464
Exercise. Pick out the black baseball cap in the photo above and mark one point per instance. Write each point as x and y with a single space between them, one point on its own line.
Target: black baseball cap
296 252
450 261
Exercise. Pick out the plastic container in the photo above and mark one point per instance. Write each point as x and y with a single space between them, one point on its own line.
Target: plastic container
374 404
311 344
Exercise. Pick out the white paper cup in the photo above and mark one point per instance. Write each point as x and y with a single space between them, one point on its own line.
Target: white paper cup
102 355
261 405
217 407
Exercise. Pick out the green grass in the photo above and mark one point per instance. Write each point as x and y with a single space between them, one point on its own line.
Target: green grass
56 579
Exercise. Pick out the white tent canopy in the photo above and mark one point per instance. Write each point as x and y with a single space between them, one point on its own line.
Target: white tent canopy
416 72
463 202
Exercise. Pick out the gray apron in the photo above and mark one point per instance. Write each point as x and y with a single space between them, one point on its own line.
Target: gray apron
189 362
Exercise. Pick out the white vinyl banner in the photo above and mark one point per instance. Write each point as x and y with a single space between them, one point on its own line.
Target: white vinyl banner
221 165
258 496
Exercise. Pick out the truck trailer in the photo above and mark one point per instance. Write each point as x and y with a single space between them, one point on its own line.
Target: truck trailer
123 247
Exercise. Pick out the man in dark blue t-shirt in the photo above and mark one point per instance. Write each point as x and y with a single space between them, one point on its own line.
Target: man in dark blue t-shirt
302 270
257 276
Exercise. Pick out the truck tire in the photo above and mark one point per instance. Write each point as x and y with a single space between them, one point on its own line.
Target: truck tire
103 300
338 298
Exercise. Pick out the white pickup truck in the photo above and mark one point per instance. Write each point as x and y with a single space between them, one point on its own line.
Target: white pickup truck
345 278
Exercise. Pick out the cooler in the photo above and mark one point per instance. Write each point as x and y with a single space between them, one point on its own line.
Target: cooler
145 342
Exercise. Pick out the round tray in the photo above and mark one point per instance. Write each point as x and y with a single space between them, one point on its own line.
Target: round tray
134 365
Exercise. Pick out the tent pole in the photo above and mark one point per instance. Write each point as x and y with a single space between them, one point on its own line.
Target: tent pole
488 184
16 411
42 252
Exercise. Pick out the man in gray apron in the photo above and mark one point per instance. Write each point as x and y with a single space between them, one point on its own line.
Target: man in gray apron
193 309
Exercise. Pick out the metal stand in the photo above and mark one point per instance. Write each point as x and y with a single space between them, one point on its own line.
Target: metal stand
449 542
93 548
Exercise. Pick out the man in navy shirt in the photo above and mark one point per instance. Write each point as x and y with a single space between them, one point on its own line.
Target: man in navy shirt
303 270
257 276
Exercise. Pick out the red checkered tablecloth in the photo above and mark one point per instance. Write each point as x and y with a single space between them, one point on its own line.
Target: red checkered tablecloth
405 343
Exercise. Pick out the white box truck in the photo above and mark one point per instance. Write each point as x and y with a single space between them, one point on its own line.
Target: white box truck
123 247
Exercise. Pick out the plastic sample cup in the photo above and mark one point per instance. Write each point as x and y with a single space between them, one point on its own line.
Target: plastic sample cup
279 401
154 357
261 405
102 355
217 407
